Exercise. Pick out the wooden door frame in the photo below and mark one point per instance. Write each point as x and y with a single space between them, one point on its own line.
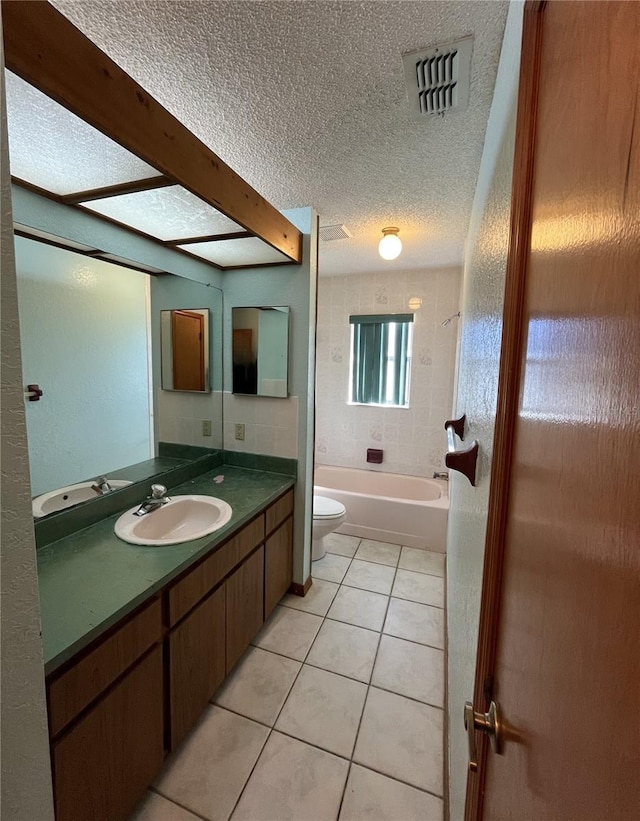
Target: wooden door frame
508 397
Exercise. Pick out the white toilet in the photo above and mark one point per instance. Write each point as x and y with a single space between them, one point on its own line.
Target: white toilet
327 516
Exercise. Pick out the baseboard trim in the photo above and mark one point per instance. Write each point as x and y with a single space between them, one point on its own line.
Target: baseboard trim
301 589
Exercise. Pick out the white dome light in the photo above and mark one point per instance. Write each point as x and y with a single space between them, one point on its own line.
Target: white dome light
390 245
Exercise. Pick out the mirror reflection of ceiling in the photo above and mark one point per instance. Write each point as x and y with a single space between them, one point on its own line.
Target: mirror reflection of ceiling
62 156
307 102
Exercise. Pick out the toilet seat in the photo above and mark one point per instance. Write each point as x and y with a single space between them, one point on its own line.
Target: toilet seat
325 508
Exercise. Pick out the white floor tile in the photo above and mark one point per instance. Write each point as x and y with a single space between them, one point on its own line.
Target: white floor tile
411 670
324 709
341 544
370 576
422 561
289 632
318 599
293 782
331 568
380 552
344 649
403 739
419 587
156 808
359 607
208 772
259 685
415 622
370 796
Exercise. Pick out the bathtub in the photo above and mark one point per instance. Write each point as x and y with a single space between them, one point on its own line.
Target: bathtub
407 510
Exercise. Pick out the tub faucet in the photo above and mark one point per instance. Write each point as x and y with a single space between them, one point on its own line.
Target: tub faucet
157 499
441 474
102 486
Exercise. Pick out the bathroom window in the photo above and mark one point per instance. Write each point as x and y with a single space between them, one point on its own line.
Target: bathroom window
380 363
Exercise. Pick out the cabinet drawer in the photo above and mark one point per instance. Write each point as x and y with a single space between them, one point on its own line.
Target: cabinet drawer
104 765
188 592
81 684
279 511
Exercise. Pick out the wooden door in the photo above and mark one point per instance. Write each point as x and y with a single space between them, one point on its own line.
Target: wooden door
559 646
188 350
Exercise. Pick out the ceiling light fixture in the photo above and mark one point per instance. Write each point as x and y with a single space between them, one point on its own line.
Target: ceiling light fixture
390 245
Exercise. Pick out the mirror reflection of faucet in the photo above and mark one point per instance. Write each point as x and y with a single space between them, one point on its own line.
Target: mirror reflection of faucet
101 486
157 499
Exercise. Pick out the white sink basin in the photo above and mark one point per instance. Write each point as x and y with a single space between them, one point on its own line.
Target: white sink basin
69 496
182 519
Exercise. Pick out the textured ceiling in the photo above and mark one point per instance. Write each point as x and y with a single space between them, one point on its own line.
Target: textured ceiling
305 99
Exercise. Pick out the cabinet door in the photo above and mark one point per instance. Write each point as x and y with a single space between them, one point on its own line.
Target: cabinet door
196 663
245 605
278 565
104 764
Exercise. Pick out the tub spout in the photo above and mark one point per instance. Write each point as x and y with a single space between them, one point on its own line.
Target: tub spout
441 474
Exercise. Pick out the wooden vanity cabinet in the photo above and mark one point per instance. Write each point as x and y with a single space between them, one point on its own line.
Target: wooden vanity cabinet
245 606
278 552
196 651
116 709
107 723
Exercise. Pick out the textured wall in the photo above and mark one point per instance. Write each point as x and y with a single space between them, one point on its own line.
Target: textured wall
413 438
482 303
83 325
26 776
280 427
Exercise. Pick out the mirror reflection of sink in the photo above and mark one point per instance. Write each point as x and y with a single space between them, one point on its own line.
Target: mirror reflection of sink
182 519
65 497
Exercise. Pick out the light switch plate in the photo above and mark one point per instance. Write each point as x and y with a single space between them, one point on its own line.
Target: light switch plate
206 427
239 431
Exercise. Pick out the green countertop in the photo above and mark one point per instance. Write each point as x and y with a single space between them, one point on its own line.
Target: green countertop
90 579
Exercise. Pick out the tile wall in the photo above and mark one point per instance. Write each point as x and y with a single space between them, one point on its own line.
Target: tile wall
270 424
180 416
413 439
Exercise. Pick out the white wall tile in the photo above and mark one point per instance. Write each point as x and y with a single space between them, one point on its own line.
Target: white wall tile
413 440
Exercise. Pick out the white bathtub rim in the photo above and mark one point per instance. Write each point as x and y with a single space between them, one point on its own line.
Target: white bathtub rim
442 503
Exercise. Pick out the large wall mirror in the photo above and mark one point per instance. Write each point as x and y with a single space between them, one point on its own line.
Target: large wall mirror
184 339
85 330
260 351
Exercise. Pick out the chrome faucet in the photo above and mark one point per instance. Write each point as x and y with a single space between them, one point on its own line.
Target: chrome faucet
157 499
441 474
102 486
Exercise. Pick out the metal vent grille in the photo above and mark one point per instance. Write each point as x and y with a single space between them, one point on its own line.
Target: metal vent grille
438 78
330 233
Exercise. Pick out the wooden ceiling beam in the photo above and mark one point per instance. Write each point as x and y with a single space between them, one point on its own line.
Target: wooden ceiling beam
133 187
46 50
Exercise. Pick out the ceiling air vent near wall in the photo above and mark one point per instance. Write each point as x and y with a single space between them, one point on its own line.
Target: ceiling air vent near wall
437 78
329 233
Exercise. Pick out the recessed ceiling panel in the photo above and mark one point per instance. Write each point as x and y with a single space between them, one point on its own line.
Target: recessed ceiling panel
52 148
236 252
165 213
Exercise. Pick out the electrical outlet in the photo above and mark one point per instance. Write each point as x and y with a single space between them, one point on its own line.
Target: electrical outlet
206 427
239 430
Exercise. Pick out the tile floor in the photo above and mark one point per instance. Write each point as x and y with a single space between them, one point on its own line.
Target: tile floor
335 712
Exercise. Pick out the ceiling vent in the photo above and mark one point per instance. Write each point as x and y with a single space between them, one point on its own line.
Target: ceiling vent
330 233
437 78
